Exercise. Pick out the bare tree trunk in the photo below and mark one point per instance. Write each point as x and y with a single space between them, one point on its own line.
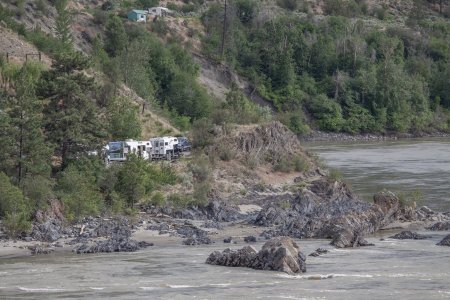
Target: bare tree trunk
21 147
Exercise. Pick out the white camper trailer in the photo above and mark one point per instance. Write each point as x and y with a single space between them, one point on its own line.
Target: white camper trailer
164 147
118 151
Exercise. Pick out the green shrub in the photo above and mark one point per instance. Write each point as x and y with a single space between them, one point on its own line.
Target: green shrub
295 121
327 112
158 199
166 175
285 204
226 153
411 199
200 168
14 207
335 175
201 133
201 191
38 189
115 202
160 27
133 180
300 164
179 201
288 4
100 17
17 223
41 6
78 193
282 165
287 164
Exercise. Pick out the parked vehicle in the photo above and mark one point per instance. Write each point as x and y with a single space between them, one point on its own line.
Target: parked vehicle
118 151
164 148
184 144
167 147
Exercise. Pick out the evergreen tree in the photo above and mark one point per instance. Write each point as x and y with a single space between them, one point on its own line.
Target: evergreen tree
26 152
115 36
63 24
73 120
123 119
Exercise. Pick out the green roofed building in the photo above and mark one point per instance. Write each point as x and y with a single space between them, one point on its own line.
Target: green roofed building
138 15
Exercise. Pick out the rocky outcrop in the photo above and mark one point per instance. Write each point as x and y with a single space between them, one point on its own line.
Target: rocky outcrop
389 205
330 210
215 211
118 242
250 239
445 241
278 254
38 249
201 240
228 240
440 226
318 252
409 235
48 231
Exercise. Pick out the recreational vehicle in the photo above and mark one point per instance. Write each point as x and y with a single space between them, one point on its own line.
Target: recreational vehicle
118 151
164 148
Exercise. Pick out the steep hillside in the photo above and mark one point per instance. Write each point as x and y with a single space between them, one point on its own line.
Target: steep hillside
18 48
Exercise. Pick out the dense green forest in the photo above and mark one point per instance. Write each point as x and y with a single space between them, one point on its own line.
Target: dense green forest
350 70
345 72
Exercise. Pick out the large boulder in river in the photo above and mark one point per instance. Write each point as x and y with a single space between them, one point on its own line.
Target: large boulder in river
278 254
409 235
440 226
445 241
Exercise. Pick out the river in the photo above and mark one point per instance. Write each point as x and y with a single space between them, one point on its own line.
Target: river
392 269
414 169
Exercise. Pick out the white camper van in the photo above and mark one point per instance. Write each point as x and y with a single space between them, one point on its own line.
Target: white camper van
118 151
164 147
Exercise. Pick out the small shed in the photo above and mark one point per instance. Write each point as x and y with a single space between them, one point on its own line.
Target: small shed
138 15
159 11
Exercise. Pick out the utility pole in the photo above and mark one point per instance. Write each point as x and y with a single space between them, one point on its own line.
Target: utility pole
224 29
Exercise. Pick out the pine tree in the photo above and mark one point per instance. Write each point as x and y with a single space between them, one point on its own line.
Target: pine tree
115 36
72 118
25 152
63 21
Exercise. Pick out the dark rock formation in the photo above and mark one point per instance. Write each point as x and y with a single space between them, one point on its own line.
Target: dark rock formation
440 226
330 210
188 230
201 240
409 235
36 250
250 239
445 241
216 211
318 252
118 242
228 240
212 224
278 254
48 231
